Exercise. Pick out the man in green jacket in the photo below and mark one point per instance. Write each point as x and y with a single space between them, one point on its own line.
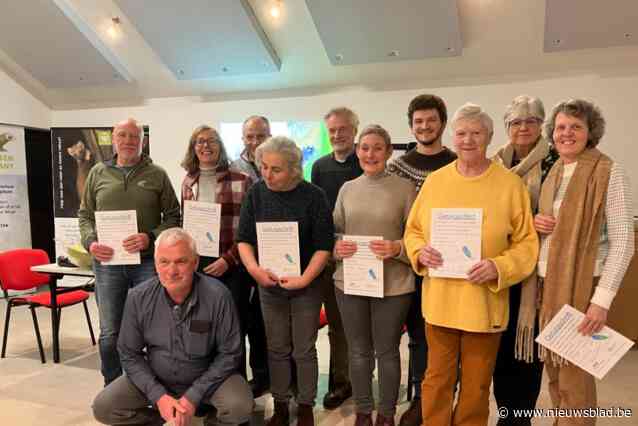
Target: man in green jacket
129 181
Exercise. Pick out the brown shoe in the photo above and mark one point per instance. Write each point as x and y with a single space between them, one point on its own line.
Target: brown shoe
281 416
305 416
412 416
384 421
363 419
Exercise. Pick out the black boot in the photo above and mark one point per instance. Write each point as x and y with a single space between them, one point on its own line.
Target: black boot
281 416
305 417
412 416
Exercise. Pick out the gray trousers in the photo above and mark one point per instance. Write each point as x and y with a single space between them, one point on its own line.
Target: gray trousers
291 323
122 403
373 330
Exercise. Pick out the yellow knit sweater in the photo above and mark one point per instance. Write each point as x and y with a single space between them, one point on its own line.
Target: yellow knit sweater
508 239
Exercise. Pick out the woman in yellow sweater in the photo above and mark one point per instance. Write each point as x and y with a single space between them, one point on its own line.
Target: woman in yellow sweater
466 316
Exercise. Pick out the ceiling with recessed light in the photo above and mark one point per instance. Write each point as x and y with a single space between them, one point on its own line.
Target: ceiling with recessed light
74 54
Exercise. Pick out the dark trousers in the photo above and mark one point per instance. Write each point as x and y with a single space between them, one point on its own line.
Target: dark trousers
516 383
246 298
338 373
418 345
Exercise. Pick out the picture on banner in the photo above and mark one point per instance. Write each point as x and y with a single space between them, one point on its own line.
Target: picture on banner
75 152
15 226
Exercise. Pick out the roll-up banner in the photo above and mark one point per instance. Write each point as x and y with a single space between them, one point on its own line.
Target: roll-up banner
15 227
75 152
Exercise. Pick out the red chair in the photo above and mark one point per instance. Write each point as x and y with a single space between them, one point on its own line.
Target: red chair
16 274
323 318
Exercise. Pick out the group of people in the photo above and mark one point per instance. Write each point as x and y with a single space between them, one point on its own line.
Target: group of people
556 228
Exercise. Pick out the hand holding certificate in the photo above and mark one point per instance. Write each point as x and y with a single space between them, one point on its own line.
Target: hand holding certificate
113 227
456 235
278 247
596 354
202 221
363 271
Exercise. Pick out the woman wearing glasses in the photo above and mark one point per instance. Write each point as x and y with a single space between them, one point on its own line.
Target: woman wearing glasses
209 178
518 371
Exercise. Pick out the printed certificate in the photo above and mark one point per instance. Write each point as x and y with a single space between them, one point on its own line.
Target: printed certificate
456 234
278 247
595 354
363 272
203 221
113 227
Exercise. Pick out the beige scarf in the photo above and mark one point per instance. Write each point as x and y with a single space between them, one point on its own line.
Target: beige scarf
574 245
529 169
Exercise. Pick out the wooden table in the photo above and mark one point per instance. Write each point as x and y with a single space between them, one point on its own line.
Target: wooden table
57 273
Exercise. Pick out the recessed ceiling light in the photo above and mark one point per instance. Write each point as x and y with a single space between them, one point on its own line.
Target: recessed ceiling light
275 10
113 29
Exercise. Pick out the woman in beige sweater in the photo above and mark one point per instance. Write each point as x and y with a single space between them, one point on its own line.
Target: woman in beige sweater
375 204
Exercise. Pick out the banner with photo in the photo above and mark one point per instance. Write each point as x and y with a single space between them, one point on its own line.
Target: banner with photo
75 152
15 226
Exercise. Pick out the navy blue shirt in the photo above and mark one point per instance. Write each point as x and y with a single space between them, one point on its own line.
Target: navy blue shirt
305 204
183 350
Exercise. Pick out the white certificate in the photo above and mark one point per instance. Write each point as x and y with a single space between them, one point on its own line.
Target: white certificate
363 272
278 246
113 227
595 354
456 234
202 221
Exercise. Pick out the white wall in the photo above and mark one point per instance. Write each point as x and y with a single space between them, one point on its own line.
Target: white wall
171 121
19 107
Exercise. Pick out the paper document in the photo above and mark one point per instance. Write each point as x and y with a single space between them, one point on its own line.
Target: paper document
202 221
278 246
363 272
113 227
595 354
456 234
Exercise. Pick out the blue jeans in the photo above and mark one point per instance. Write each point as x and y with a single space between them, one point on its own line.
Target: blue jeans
112 283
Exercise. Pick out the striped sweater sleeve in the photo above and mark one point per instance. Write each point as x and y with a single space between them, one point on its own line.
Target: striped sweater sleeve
620 231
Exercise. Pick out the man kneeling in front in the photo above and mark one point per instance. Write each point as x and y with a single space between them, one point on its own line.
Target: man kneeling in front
179 345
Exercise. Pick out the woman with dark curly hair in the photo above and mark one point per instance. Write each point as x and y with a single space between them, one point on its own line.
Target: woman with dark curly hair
586 227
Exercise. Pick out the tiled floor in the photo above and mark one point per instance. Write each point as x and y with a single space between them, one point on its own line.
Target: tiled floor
60 394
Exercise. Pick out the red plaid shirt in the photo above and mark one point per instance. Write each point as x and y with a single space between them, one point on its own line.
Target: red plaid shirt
232 185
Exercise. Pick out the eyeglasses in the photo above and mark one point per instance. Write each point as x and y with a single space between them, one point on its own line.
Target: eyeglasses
209 142
529 122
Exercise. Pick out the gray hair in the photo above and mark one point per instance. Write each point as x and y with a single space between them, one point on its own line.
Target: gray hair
471 111
285 147
132 121
523 106
258 118
584 110
172 236
375 129
349 114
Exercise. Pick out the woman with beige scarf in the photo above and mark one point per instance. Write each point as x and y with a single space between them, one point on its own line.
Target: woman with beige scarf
585 222
518 372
